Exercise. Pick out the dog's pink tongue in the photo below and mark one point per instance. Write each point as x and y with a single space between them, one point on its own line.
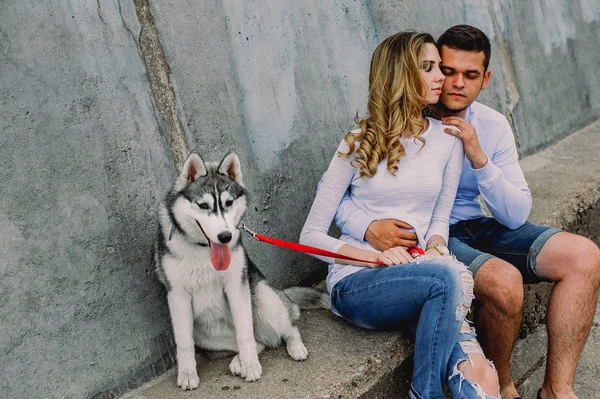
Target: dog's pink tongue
220 256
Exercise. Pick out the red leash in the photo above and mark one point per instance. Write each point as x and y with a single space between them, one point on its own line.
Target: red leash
313 250
301 247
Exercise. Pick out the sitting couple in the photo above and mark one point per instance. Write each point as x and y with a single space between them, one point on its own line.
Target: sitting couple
403 179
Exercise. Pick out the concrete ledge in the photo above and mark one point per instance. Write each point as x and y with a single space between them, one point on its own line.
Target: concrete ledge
346 362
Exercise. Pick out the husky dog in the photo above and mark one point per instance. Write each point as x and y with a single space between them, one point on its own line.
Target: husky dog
218 299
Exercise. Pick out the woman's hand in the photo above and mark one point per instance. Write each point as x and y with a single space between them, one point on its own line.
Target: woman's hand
394 256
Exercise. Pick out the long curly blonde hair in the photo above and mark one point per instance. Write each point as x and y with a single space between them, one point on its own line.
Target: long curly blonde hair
396 103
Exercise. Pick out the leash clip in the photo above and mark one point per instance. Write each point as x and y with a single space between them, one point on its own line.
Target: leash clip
247 230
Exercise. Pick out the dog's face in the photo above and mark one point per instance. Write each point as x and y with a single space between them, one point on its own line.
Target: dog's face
209 203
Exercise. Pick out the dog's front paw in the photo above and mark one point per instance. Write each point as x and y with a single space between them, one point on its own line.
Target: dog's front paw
297 350
187 379
235 366
249 370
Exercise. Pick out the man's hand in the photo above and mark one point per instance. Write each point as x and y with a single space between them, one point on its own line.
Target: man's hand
468 135
388 233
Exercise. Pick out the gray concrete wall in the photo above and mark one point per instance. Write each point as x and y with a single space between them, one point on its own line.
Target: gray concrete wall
83 166
101 100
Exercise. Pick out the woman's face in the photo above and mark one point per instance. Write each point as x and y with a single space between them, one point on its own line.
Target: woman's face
432 75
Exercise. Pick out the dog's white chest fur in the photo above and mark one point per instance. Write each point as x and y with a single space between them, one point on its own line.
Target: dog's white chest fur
191 271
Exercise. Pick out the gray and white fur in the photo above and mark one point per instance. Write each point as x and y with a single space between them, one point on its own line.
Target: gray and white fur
218 299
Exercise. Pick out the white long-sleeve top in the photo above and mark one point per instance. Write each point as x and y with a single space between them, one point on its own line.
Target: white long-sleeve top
421 193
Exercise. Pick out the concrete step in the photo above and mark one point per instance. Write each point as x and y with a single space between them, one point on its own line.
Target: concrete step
344 362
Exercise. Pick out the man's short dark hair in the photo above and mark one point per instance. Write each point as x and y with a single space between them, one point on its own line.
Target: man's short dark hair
468 38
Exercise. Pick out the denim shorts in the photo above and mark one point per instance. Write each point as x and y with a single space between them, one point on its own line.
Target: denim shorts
475 241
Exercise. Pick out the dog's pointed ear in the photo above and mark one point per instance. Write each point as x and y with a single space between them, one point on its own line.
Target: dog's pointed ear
230 167
193 168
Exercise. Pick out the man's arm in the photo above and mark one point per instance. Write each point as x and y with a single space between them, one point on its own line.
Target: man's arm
500 180
381 234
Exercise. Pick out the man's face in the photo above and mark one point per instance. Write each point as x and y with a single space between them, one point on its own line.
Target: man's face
465 77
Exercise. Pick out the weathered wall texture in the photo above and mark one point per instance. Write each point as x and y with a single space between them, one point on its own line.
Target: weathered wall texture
99 100
83 166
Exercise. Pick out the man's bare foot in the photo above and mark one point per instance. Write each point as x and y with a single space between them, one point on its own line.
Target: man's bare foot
509 391
546 393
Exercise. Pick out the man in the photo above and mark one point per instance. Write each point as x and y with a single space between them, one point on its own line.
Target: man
502 251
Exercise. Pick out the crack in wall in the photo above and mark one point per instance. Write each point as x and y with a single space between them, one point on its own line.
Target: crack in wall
125 25
159 75
99 14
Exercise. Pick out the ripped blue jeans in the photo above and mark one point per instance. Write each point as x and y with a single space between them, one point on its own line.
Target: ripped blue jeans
459 386
433 295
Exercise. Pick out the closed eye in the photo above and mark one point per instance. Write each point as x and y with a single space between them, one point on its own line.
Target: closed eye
427 66
447 71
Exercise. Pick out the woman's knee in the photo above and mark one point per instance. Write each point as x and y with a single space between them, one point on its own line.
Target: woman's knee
451 271
457 282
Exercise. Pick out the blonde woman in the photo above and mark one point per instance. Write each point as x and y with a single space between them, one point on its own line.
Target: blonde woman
402 165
